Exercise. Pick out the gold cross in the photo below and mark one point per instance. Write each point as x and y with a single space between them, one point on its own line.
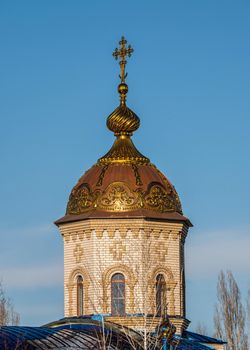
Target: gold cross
117 250
123 53
78 252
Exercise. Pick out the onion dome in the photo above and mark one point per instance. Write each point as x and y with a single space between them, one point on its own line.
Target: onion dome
123 120
123 183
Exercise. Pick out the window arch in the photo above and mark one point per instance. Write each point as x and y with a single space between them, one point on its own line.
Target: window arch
79 287
161 295
118 294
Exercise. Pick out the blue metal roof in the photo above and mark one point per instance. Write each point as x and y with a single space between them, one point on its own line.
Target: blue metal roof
87 337
184 344
202 338
89 333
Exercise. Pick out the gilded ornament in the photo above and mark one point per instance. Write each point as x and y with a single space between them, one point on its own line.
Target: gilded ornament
118 197
123 53
81 199
123 151
137 175
159 199
101 176
123 120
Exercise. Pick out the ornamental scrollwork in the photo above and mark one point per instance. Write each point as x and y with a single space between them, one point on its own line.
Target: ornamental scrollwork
80 200
161 199
118 197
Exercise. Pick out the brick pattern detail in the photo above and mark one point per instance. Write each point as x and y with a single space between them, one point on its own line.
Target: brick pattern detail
140 249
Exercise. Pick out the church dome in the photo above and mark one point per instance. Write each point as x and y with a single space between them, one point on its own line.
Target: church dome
116 187
123 183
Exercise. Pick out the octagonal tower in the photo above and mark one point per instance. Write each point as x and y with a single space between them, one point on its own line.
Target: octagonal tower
124 233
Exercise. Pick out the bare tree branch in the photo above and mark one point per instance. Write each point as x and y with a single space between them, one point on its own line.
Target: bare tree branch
229 317
8 316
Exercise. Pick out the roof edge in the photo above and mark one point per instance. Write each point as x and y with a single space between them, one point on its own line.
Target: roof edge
139 214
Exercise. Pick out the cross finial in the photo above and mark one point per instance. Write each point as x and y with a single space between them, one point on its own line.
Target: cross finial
123 53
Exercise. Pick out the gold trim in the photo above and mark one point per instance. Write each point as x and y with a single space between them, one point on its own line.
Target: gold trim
123 151
80 200
123 120
158 198
118 197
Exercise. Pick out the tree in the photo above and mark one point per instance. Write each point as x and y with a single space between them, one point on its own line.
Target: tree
8 316
248 310
229 317
152 321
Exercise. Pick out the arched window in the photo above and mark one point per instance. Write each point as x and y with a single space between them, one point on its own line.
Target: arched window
79 295
118 294
161 295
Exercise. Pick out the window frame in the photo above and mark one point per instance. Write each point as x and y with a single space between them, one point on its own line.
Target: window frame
160 294
120 309
80 295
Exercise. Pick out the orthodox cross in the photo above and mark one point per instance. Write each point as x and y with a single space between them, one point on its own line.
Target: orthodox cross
123 53
78 253
117 249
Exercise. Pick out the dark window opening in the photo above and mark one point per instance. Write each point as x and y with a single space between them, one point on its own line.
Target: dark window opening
118 294
161 295
79 296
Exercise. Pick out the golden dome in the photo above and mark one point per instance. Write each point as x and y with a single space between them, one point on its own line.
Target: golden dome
123 187
123 120
123 183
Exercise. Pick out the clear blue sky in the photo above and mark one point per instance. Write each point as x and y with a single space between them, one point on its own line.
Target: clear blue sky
189 81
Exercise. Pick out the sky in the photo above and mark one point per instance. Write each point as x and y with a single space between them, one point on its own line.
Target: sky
189 82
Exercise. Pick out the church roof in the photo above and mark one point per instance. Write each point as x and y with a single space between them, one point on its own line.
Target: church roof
120 190
87 333
70 333
201 338
68 337
123 183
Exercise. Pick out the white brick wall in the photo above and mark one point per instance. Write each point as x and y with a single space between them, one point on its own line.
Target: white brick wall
136 247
